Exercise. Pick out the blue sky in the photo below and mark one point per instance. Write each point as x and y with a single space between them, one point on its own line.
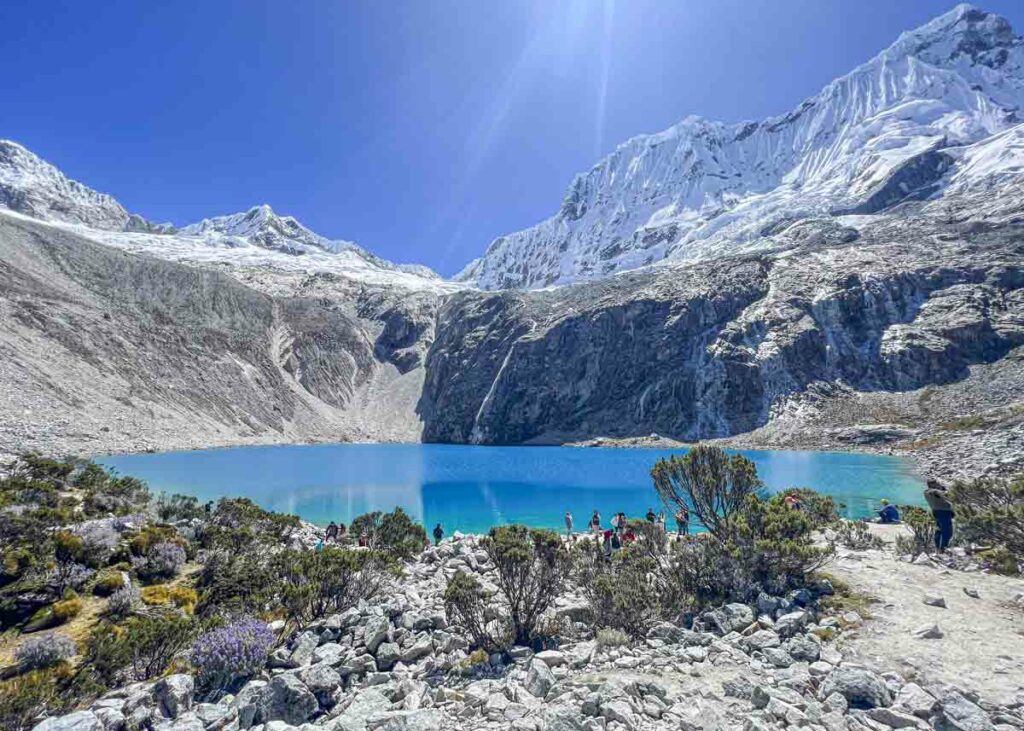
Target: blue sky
419 129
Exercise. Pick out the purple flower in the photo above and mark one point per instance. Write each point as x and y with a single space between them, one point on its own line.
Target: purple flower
235 651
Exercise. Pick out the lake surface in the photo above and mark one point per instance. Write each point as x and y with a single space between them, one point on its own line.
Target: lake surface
472 488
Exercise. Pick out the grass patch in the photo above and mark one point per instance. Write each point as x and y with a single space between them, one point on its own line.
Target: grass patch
845 598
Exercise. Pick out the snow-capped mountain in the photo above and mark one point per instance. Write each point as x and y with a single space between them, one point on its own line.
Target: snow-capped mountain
34 187
869 140
259 237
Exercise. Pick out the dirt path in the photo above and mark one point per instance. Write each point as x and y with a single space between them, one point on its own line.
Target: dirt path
982 648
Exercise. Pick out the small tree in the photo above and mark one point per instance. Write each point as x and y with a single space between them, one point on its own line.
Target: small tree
466 607
532 566
318 583
991 511
394 533
714 484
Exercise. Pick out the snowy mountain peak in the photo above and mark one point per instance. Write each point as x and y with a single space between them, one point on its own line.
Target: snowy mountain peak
702 188
34 187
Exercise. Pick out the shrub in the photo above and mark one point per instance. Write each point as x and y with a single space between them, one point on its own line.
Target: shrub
67 609
776 542
98 541
239 524
625 593
991 511
753 543
236 583
607 638
532 567
712 483
466 607
855 534
231 653
123 601
36 653
393 533
821 509
25 697
317 583
141 648
178 507
155 595
922 531
108 582
163 561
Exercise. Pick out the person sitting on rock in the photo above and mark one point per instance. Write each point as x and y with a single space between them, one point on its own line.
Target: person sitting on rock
332 532
651 517
889 513
942 510
438 534
342 532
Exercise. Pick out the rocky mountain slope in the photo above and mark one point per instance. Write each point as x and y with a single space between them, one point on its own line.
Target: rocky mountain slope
861 290
886 132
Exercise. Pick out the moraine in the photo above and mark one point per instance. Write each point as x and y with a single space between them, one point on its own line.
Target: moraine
469 489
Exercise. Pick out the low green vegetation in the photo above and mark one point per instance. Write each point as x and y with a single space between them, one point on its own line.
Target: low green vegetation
75 536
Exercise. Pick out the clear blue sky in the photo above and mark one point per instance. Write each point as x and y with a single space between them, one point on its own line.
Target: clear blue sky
420 129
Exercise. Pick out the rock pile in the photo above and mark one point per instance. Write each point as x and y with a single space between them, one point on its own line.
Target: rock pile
397 665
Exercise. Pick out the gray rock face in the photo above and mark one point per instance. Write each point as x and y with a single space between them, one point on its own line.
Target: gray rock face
80 721
173 694
289 700
539 678
859 686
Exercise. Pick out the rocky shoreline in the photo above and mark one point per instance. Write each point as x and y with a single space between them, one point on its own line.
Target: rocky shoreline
395 664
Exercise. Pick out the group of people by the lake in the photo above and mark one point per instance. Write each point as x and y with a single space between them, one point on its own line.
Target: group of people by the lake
622 531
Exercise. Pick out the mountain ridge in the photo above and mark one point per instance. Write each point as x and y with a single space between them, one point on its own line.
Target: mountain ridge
702 188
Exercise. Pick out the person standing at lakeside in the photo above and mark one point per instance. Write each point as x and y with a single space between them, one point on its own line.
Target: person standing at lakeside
568 525
332 532
651 517
438 534
595 522
942 510
682 521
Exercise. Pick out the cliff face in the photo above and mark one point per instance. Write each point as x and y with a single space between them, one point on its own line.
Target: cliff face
711 349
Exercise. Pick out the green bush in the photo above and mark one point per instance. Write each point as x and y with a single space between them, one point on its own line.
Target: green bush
141 648
466 607
991 511
239 524
532 567
713 484
394 533
626 593
317 583
107 582
179 507
25 697
753 542
922 531
234 583
855 534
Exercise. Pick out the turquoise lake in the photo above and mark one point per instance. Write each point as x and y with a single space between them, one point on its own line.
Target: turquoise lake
469 489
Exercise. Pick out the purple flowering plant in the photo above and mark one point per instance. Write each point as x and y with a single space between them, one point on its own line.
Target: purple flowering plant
234 651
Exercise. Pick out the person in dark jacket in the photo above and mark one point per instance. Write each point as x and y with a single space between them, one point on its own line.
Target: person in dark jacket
332 532
438 533
942 510
889 513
